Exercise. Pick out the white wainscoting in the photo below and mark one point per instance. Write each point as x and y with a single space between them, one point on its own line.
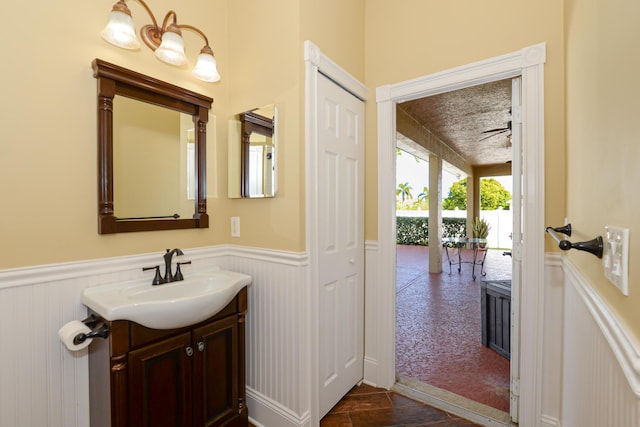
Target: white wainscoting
552 341
278 371
44 384
41 382
601 369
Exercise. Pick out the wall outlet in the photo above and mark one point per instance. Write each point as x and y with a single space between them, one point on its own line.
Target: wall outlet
615 259
235 226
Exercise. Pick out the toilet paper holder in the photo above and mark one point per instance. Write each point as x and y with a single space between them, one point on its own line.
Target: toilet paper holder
98 329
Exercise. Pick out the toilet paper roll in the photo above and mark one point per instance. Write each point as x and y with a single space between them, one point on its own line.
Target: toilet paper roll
70 330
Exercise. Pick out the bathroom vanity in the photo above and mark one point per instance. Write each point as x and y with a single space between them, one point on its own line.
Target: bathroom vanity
187 376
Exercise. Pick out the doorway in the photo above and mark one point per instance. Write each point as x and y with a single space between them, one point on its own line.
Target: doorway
529 63
439 334
439 307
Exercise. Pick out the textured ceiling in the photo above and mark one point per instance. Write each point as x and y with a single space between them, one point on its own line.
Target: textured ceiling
460 117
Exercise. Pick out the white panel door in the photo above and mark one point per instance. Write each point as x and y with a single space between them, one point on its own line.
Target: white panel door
341 241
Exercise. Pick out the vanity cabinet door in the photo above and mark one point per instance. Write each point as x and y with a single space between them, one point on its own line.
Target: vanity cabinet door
216 368
160 383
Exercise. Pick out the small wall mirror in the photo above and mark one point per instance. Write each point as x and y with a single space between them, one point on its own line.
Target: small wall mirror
151 153
252 153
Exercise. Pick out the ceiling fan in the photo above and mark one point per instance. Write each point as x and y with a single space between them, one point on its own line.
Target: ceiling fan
497 131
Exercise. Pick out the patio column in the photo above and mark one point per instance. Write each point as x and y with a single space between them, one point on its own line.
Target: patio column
473 200
435 214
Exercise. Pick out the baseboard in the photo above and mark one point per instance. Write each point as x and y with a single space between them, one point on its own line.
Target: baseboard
272 414
255 423
370 370
546 421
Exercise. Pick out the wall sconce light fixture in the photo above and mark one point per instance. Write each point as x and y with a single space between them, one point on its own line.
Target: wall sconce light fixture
166 41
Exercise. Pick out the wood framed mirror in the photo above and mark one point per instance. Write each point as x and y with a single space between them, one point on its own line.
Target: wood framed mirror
252 153
257 166
173 173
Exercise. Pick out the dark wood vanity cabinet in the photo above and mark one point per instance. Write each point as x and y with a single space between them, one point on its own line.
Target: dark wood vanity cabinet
185 377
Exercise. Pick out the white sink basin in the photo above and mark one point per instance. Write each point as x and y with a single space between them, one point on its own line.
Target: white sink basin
171 305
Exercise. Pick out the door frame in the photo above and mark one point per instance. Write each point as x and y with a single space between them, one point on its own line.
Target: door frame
317 63
516 235
529 64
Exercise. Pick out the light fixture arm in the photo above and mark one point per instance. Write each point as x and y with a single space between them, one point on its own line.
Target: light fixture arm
170 14
194 29
146 7
152 34
121 5
159 30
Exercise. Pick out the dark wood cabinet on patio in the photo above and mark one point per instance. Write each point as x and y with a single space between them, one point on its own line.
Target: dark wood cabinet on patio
496 315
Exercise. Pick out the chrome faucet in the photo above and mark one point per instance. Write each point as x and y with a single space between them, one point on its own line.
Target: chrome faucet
168 274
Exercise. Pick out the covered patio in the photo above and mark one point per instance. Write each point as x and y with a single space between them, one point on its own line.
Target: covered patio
438 328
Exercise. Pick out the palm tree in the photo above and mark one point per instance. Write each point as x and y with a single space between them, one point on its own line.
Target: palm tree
404 191
424 195
423 199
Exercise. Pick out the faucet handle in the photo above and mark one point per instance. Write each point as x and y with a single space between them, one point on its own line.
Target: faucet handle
178 275
157 279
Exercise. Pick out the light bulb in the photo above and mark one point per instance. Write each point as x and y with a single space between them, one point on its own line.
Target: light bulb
206 69
171 49
120 30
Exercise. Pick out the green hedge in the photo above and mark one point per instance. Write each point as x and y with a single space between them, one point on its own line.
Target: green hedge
415 230
454 227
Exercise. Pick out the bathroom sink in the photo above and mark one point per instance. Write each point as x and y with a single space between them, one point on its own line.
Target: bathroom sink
170 305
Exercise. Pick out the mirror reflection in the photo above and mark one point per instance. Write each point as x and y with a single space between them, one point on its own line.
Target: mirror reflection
154 161
152 136
252 153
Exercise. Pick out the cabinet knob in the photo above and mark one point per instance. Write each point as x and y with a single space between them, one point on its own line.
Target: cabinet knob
200 346
189 351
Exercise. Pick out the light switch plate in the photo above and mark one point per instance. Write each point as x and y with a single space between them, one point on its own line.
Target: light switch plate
235 226
616 257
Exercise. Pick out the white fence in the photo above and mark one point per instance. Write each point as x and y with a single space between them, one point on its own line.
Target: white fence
500 220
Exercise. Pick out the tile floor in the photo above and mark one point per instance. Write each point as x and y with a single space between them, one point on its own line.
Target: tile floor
366 406
438 328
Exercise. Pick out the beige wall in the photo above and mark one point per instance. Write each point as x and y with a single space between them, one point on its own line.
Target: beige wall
266 56
337 27
48 127
48 162
603 39
406 39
